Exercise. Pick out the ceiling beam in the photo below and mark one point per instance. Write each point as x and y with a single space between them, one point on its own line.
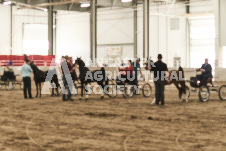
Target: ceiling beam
54 3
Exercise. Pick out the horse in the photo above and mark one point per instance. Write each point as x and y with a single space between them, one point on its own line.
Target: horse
84 72
180 84
40 77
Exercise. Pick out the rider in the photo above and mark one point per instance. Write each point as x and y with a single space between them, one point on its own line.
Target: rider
9 71
206 70
10 66
129 70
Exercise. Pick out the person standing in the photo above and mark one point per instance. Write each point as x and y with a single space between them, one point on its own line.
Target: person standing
66 76
26 74
136 65
159 70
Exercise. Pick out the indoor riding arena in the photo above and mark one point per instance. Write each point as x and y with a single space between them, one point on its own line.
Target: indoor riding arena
120 75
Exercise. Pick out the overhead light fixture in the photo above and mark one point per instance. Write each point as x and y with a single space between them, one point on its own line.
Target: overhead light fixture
45 10
125 1
85 5
7 3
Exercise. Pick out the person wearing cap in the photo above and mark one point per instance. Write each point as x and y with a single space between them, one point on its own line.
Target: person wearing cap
10 66
206 70
26 74
159 68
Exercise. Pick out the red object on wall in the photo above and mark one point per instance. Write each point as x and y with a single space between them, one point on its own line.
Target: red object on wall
3 57
19 60
3 60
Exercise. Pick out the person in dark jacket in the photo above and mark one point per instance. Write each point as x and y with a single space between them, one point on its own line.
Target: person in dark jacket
159 70
206 70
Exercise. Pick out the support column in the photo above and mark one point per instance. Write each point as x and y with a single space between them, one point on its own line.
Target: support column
11 29
50 28
135 29
146 28
54 34
93 30
217 25
188 34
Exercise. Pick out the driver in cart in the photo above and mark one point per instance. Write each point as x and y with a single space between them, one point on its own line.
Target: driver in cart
126 73
206 72
9 67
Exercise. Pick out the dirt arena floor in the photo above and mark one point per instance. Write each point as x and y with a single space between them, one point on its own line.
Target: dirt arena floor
111 124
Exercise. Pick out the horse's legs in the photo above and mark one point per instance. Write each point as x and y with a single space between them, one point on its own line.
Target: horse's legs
82 84
102 87
40 93
183 89
57 85
179 89
52 88
86 89
36 83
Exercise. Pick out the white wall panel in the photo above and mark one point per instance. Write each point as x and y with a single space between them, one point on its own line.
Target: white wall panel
73 34
115 26
4 30
170 43
25 16
201 6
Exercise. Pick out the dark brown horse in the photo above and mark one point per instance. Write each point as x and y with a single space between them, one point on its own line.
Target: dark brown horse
85 72
173 78
40 77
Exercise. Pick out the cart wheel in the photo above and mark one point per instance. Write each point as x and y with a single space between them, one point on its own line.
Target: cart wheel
146 90
21 85
222 92
204 93
128 91
10 85
112 90
185 96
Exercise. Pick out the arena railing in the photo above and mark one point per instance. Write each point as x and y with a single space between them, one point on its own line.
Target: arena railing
44 63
